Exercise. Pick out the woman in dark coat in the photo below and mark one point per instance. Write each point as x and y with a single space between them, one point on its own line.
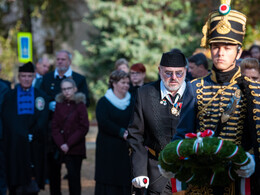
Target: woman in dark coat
69 127
113 112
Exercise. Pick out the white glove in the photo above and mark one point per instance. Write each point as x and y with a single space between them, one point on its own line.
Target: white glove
165 173
52 106
247 170
140 182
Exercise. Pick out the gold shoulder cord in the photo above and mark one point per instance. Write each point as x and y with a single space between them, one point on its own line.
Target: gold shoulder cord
213 98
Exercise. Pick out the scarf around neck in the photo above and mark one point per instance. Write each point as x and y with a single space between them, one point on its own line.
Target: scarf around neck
119 103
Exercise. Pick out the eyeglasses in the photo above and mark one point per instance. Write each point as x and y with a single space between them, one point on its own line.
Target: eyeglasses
68 88
135 73
178 74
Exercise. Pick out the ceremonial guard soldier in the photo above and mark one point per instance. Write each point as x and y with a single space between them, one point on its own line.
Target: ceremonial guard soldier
224 101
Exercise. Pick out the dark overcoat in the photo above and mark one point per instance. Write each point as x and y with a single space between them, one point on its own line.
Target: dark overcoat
18 152
3 90
112 156
153 126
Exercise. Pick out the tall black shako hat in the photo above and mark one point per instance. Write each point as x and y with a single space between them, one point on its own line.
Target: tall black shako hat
27 67
174 58
224 26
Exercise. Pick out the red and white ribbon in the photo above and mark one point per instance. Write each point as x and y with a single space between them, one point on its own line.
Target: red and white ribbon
199 141
219 146
206 133
245 186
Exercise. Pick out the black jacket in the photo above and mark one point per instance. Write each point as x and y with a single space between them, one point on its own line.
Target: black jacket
112 159
153 125
51 85
16 144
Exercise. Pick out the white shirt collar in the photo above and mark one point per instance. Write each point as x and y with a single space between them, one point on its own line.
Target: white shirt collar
165 92
37 75
68 73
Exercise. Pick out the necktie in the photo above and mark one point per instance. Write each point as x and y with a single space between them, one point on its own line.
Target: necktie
173 98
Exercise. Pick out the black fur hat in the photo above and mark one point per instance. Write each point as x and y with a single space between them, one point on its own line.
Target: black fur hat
174 58
27 67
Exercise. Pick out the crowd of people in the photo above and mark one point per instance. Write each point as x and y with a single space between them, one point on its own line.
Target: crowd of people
44 118
136 120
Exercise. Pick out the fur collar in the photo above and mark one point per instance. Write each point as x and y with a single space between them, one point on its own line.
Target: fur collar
78 98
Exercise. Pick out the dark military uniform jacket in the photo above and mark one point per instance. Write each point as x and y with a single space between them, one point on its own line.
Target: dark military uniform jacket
230 109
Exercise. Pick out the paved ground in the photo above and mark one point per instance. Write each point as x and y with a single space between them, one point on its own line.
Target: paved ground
88 168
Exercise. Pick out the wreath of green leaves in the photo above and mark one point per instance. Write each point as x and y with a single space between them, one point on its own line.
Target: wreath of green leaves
211 161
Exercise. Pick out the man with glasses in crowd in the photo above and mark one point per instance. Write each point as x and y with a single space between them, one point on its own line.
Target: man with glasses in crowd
155 117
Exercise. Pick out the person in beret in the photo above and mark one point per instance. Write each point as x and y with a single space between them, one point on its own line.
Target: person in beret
25 116
225 101
156 115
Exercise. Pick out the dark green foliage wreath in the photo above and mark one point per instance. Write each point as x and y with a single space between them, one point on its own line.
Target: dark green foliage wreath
208 161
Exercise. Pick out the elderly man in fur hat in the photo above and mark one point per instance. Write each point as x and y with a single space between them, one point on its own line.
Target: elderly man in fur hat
156 115
25 116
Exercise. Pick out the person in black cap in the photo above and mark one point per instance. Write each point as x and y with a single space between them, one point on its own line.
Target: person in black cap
225 102
25 116
156 114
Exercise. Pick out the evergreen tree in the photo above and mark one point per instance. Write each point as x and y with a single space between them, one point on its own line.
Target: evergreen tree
139 31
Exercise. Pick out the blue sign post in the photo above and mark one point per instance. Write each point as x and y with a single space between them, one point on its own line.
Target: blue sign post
24 42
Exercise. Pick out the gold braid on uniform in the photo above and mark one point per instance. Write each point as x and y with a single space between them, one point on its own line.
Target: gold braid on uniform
252 91
251 127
